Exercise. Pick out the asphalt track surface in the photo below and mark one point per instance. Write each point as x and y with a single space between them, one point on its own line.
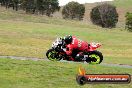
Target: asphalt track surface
38 59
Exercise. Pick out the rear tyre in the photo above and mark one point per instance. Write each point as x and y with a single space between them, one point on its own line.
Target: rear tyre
53 55
95 57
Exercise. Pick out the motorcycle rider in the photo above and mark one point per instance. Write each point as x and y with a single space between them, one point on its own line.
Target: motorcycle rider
75 45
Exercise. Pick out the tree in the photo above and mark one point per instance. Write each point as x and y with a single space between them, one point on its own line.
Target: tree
3 2
51 6
16 4
46 7
73 10
129 21
10 3
29 6
104 15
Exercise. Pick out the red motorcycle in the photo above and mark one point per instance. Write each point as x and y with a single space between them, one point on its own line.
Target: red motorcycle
57 53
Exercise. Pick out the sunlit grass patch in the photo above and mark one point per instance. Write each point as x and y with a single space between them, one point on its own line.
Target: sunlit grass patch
32 35
42 74
34 39
28 47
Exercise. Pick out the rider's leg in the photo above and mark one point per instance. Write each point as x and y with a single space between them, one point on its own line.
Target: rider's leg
79 56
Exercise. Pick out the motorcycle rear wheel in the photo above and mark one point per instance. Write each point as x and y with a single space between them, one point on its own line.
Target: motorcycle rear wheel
53 55
95 57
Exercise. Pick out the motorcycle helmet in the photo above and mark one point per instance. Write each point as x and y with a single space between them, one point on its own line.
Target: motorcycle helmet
68 39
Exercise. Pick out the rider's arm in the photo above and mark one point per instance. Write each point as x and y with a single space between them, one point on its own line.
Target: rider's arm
69 49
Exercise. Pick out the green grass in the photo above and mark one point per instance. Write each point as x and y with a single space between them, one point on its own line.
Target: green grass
123 3
34 37
43 74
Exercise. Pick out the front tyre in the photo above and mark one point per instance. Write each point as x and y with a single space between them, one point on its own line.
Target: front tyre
53 55
95 57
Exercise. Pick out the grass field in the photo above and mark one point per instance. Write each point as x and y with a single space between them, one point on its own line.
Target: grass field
43 74
33 39
123 3
32 35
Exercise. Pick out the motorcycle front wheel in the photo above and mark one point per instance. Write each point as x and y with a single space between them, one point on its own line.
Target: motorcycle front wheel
95 57
53 55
